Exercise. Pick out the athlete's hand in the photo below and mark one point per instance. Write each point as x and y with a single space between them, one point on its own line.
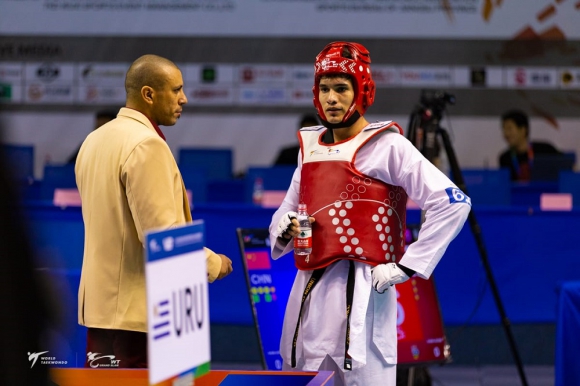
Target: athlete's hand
226 267
288 226
386 275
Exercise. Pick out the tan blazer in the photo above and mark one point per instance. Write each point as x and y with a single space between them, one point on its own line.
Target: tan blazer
129 183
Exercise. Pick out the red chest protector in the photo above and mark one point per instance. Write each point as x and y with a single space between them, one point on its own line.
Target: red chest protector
357 217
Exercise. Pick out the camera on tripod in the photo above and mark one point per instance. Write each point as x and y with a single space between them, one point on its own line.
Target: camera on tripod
436 101
424 122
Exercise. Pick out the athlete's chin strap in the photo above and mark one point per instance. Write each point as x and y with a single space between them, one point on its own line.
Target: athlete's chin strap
349 122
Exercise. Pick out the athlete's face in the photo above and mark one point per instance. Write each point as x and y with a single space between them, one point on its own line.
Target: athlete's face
169 98
335 95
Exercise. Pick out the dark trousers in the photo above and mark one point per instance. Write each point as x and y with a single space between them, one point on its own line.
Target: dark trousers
116 349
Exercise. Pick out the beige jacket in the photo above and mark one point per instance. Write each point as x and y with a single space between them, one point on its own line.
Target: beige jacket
129 183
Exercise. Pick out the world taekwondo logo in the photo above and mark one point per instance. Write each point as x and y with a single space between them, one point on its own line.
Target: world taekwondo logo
44 360
33 357
179 314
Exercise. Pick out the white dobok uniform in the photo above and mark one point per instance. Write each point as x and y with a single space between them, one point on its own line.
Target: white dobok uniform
391 158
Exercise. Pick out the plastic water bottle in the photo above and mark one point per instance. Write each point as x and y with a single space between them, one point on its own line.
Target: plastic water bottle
303 242
258 192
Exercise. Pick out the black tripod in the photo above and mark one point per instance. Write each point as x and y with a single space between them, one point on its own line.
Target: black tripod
424 132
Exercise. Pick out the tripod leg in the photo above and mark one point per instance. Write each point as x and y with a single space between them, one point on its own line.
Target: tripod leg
476 230
411 377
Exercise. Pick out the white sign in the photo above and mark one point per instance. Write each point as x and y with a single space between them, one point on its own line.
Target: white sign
49 93
177 303
531 77
210 95
252 84
432 19
301 96
101 95
49 82
11 72
264 74
385 76
494 77
102 74
208 74
10 93
569 77
49 72
302 74
413 76
262 95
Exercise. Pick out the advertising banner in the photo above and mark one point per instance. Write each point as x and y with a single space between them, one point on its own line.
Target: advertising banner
431 19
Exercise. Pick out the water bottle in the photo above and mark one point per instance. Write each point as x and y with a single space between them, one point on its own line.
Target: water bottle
258 191
303 242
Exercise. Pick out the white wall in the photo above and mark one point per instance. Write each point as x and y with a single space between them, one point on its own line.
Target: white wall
256 139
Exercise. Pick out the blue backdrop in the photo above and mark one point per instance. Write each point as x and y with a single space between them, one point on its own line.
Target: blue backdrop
530 253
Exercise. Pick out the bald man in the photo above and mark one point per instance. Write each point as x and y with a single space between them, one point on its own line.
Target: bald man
129 183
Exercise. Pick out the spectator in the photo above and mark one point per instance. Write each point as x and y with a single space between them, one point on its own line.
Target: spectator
519 157
289 155
101 118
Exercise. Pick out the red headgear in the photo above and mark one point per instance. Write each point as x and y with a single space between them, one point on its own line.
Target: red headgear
351 59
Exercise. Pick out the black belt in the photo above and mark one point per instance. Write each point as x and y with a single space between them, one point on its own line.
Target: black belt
316 275
349 296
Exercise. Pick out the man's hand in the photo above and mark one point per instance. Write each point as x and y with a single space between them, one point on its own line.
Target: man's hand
289 227
385 275
226 267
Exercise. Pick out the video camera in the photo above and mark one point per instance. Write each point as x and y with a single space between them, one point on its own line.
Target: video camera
436 100
424 121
